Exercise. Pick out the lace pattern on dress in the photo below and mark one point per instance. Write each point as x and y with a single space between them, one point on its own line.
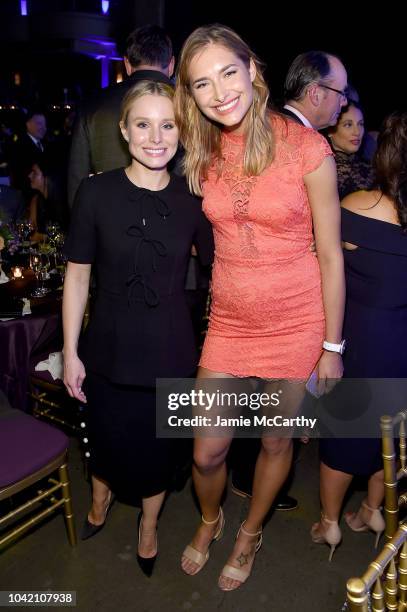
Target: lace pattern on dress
240 189
354 173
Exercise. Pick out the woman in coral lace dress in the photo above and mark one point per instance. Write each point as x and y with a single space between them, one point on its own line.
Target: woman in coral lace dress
266 182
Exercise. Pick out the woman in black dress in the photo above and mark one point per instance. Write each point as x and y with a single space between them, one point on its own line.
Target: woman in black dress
136 226
48 203
345 138
374 231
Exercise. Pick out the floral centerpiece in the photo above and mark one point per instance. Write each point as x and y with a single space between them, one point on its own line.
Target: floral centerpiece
9 239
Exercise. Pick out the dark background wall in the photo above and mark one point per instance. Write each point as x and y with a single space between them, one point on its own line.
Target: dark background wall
371 45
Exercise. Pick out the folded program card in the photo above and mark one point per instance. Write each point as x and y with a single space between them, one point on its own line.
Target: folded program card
54 364
3 277
26 307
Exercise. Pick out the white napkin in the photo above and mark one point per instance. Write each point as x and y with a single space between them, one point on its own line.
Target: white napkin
3 277
54 364
26 307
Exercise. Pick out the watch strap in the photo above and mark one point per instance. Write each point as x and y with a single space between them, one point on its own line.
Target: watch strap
334 348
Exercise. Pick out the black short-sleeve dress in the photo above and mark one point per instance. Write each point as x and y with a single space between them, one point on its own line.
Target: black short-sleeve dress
375 327
139 242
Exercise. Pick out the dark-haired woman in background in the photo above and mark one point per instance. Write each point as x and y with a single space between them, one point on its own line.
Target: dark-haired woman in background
374 231
354 172
49 201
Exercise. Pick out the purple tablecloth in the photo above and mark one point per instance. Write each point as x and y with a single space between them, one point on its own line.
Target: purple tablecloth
18 340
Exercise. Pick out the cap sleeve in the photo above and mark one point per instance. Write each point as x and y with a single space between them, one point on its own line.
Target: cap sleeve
80 245
314 150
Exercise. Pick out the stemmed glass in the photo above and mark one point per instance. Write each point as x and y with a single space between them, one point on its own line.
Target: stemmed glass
24 229
52 229
40 265
55 240
60 261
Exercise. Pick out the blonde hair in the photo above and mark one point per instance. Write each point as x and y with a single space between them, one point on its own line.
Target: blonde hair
200 136
143 88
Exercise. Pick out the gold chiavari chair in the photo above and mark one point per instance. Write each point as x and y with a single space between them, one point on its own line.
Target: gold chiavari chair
50 402
385 580
392 474
32 455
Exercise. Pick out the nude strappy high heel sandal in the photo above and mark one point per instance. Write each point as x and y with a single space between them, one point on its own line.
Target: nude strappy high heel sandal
332 535
375 523
229 571
201 558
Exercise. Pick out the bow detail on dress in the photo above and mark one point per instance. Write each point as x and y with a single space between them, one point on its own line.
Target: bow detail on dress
156 248
160 205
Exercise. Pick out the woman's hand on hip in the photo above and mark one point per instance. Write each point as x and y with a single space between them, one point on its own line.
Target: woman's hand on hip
74 375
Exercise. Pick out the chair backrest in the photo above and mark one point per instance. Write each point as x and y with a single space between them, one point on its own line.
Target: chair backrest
381 583
30 452
392 475
50 340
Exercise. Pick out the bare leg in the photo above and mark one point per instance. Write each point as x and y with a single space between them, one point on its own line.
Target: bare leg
375 490
147 546
209 477
272 468
100 499
333 487
373 501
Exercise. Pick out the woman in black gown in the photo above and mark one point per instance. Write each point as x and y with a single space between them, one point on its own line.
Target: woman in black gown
374 231
346 137
135 226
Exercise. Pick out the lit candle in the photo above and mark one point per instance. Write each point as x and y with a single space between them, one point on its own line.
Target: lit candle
17 272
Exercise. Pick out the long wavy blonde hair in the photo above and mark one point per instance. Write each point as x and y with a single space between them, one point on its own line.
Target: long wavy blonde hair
200 136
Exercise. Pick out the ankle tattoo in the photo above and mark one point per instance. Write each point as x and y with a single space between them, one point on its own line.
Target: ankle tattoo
242 559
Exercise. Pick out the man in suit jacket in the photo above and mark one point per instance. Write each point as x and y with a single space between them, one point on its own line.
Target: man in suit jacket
315 89
28 149
97 144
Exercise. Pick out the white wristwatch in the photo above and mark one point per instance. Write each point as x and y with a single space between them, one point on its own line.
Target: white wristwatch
334 348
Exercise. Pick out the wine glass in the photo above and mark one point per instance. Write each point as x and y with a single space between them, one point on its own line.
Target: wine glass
35 265
40 265
52 229
60 260
24 230
46 265
59 240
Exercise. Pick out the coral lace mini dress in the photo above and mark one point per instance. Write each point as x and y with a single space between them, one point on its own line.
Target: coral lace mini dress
267 317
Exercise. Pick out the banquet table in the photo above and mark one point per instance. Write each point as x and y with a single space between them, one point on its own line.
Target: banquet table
22 337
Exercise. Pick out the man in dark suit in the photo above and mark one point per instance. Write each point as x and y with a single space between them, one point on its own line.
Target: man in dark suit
315 91
97 144
28 149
